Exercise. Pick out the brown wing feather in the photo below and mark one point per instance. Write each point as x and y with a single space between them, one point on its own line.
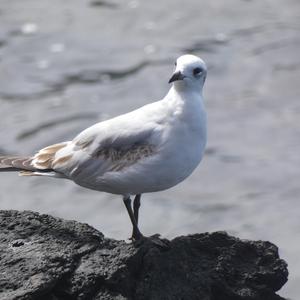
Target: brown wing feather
122 158
42 161
45 158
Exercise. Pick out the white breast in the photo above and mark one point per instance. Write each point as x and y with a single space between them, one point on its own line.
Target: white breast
182 143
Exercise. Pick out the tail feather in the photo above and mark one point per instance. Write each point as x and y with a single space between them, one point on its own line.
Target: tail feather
19 163
39 164
14 163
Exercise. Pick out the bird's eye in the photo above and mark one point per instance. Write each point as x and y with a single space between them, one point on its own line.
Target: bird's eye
175 63
197 71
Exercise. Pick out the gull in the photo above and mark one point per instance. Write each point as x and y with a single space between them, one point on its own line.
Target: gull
150 149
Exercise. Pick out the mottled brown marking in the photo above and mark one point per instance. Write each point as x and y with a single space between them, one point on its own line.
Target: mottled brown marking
122 158
62 159
119 167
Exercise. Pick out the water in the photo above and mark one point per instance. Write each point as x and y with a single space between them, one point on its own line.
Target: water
65 65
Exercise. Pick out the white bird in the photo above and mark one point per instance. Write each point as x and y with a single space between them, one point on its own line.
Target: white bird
147 150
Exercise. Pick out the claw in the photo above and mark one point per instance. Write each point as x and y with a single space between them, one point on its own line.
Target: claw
155 240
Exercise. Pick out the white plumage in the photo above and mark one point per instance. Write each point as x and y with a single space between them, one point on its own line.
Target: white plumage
149 149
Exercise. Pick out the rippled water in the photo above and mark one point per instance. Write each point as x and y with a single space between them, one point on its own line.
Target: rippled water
65 65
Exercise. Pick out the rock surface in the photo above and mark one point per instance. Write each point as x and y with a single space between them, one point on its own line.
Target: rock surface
43 257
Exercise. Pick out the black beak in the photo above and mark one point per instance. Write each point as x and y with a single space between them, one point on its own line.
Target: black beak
176 76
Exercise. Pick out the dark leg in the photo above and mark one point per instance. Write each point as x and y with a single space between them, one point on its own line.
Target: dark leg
136 207
136 234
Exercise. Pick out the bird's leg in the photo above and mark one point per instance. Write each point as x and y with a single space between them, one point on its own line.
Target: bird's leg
134 215
136 207
136 234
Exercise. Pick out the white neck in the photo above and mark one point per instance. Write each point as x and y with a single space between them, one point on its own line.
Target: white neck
187 96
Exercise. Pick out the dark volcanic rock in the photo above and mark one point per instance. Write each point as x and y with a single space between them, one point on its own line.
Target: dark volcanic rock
43 257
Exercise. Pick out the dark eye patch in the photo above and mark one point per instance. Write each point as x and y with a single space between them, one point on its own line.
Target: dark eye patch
197 71
175 63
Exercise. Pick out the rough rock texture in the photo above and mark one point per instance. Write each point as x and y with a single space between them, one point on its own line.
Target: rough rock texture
43 257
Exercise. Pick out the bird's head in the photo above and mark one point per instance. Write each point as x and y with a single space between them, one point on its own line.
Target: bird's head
190 71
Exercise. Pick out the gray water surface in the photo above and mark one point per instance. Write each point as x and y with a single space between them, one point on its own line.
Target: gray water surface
65 65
